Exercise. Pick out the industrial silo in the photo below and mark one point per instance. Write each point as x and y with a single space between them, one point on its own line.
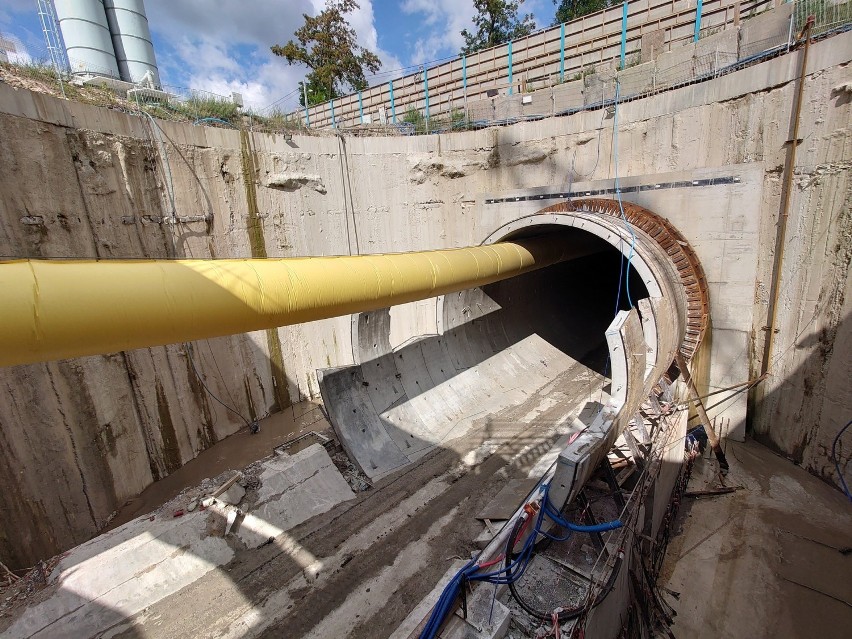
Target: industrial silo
131 39
88 40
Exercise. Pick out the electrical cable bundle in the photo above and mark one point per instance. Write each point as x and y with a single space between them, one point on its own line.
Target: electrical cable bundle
515 564
553 514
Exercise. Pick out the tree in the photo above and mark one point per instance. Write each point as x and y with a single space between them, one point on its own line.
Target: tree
328 46
567 10
317 93
496 22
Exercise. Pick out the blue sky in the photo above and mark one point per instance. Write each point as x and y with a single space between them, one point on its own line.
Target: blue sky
223 45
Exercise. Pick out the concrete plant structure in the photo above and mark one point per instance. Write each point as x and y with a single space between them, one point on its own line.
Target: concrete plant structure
478 311
108 38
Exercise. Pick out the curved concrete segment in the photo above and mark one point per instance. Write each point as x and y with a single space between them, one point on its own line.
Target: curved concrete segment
526 349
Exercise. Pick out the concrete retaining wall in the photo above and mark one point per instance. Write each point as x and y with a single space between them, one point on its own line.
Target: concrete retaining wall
79 437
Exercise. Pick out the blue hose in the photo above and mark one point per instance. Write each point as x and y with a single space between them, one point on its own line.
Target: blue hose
514 569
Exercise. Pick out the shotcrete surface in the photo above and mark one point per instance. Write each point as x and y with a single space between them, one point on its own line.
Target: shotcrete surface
91 182
764 561
358 569
240 449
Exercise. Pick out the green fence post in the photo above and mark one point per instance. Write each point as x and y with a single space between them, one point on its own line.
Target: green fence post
698 8
510 67
464 80
426 91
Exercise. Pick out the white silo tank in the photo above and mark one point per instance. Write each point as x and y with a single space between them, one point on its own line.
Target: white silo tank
87 37
131 39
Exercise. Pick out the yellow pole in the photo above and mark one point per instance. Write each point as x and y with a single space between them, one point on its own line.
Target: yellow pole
60 309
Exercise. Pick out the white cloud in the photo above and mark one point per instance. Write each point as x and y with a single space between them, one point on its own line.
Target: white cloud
259 22
363 21
445 19
224 45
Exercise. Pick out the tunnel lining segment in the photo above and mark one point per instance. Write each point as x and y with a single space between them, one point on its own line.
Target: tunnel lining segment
674 246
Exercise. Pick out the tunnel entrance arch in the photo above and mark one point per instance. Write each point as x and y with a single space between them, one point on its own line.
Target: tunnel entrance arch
605 219
533 346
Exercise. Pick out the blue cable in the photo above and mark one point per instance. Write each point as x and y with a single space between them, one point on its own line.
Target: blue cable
510 573
621 206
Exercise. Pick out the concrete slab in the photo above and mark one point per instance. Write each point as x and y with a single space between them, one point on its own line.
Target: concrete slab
675 66
504 504
102 583
116 575
568 95
724 43
293 489
636 80
767 30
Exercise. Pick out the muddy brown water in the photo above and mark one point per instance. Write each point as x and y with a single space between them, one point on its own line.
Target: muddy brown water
234 452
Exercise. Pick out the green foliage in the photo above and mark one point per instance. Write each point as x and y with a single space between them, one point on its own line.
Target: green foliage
415 117
277 120
328 46
567 10
452 121
42 72
630 61
317 93
590 70
496 22
209 107
197 107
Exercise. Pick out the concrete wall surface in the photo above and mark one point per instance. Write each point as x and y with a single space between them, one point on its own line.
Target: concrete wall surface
79 437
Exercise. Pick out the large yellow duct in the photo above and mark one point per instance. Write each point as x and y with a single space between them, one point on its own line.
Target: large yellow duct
60 309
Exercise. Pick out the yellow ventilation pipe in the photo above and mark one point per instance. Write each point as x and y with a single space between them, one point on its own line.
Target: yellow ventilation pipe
60 309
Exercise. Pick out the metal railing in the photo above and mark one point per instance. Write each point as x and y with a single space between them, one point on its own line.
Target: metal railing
829 15
547 57
467 93
756 34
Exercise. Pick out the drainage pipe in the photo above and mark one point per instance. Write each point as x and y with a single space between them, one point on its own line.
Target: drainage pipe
786 199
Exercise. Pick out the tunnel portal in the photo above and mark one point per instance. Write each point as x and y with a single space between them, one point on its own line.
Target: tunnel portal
531 348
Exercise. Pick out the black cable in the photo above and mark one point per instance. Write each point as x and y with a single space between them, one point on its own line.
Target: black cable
254 426
837 460
729 397
565 615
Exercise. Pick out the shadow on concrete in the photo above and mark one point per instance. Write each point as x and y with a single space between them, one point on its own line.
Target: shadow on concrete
534 341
